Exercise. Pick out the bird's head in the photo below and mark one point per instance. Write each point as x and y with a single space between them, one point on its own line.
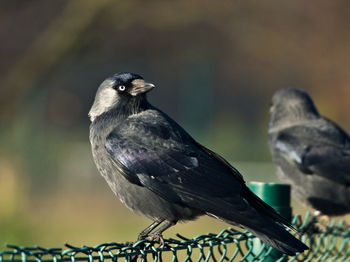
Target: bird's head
121 88
291 105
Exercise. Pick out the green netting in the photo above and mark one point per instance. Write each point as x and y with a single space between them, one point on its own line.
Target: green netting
330 242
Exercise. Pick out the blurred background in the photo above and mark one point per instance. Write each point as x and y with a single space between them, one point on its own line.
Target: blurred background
216 65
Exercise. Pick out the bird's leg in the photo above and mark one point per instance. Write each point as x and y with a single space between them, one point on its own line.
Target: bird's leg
149 229
157 235
143 235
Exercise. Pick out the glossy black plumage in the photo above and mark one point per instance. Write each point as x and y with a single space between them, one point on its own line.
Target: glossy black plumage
157 169
311 152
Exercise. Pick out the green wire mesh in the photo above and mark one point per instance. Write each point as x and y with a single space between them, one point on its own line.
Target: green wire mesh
330 242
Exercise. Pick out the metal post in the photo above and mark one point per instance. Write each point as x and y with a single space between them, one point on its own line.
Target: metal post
278 197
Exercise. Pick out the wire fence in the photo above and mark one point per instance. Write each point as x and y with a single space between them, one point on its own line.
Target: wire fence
327 242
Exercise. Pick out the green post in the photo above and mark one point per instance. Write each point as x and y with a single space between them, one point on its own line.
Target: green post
278 197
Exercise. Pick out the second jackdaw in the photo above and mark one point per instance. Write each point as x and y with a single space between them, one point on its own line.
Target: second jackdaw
311 152
158 170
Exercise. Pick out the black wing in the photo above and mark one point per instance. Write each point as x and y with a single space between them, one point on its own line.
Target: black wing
158 154
316 154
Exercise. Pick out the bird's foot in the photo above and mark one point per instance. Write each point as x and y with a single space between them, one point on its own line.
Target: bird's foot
156 238
322 221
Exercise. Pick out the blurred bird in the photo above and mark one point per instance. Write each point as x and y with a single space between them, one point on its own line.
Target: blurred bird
311 152
158 170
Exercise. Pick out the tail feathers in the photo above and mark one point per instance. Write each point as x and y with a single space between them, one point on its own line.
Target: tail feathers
274 235
280 239
273 232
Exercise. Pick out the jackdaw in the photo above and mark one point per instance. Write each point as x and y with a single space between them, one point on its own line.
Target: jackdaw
158 170
311 152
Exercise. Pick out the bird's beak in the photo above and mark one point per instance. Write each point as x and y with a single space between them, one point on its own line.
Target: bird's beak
139 86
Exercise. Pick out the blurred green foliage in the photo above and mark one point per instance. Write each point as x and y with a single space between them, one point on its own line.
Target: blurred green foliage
216 64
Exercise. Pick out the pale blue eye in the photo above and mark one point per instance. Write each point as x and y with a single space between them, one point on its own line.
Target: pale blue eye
121 88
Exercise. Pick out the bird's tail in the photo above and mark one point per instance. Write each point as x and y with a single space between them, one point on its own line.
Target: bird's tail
263 221
274 232
274 235
280 239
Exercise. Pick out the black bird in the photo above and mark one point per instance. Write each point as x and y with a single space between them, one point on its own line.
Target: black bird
311 152
158 170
